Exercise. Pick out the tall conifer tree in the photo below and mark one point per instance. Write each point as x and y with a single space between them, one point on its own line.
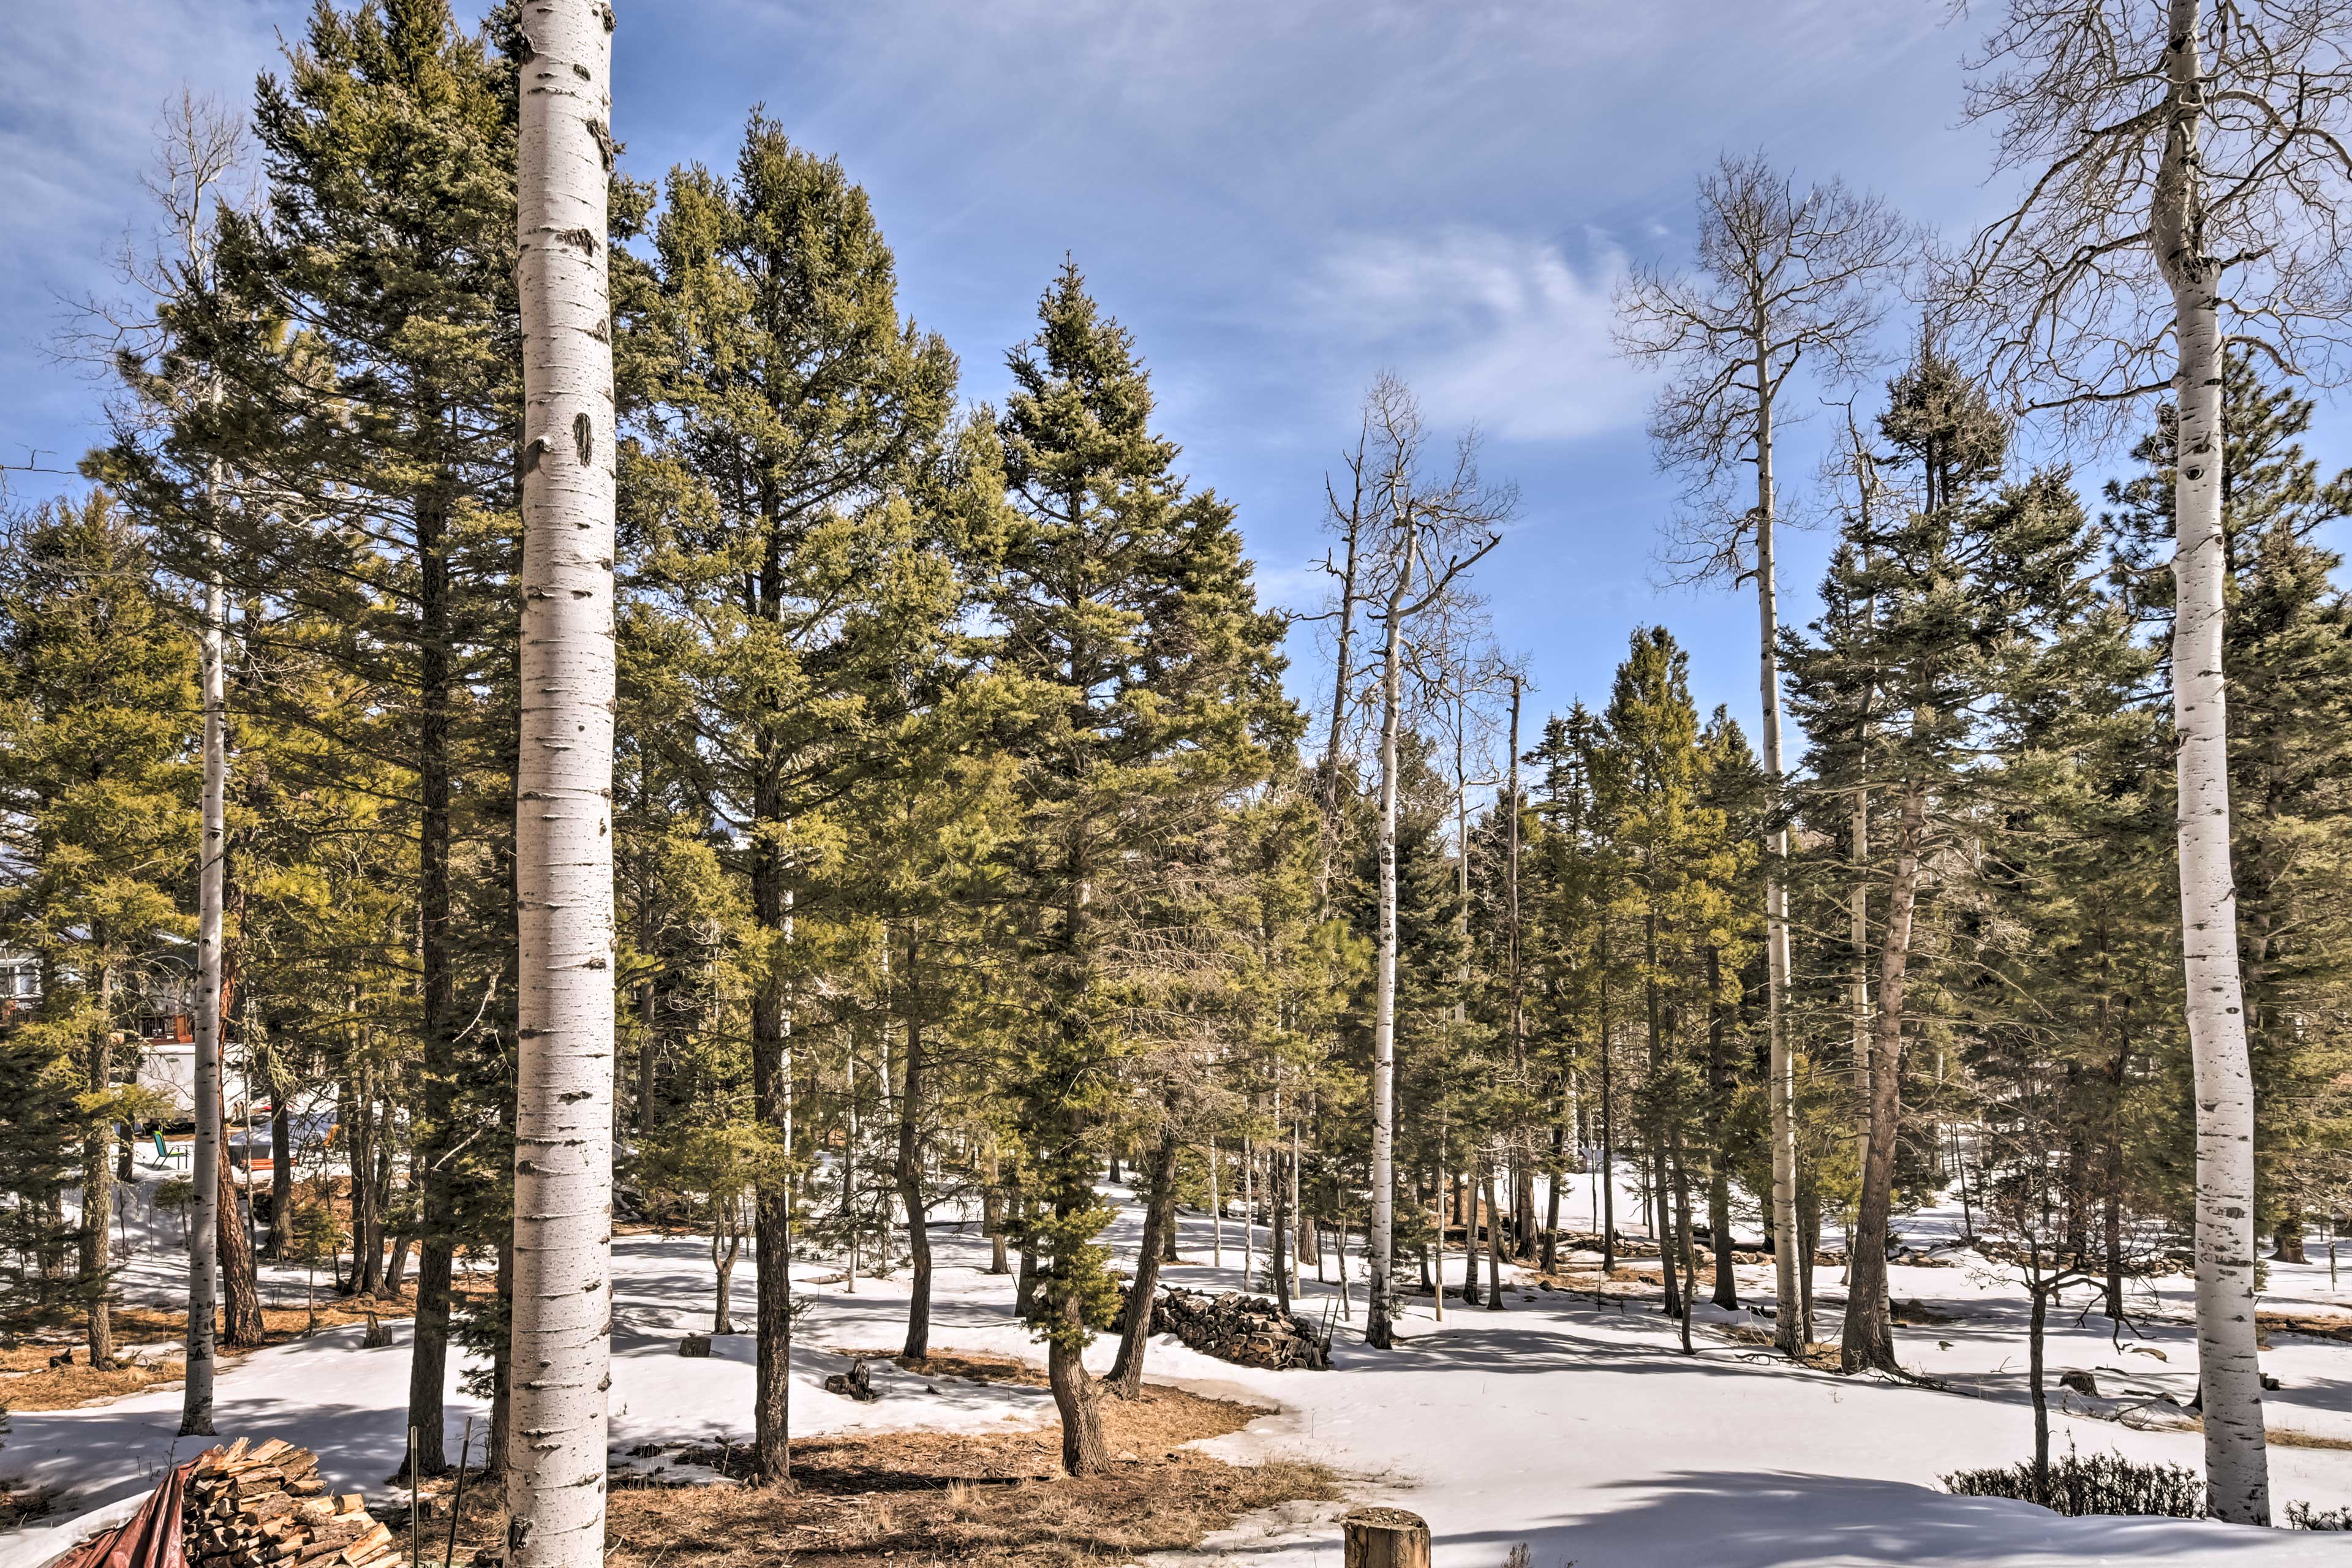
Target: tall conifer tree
1150 698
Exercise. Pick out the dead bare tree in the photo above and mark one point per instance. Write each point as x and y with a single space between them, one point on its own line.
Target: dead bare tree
1347 521
1788 280
2184 166
1429 526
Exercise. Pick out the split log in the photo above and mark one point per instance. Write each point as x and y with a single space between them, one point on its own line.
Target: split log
248 1506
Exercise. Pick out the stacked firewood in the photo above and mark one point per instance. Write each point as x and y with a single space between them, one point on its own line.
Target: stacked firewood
1248 1330
250 1507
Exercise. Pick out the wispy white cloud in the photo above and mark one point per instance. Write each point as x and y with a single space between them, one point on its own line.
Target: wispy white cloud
82 88
1499 330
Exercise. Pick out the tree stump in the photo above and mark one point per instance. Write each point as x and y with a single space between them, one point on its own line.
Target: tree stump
856 1383
1385 1538
695 1347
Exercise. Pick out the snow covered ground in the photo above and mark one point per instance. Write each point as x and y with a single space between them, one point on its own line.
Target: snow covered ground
1572 1425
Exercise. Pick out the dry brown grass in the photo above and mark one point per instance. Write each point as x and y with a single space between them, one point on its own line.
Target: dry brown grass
28 1382
971 1368
1919 1315
2296 1437
903 1499
1591 1279
2321 1325
1821 1355
62 1388
20 1506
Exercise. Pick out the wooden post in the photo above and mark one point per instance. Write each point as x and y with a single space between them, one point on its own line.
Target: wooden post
1385 1538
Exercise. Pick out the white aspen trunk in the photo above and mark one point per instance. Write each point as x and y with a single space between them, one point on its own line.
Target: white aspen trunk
563 840
1216 1214
204 1216
1462 853
1298 1220
1790 1331
1381 1231
2236 1463
1327 793
1249 1211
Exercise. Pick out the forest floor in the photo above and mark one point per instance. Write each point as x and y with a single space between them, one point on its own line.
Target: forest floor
1570 1422
863 1500
149 1339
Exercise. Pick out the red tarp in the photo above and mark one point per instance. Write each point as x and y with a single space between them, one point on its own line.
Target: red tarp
149 1539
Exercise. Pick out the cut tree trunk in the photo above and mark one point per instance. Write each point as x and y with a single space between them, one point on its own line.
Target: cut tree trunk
1384 1537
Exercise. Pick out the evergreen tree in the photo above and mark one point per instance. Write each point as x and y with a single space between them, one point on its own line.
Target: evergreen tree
2287 645
96 705
1148 701
1890 686
776 521
361 333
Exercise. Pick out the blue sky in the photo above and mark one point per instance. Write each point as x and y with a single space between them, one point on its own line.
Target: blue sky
1280 197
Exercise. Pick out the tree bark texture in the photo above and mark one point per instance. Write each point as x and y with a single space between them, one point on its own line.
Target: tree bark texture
562 1313
2236 1462
1158 1221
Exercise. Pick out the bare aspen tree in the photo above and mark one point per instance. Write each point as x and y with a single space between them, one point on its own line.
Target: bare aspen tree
2184 169
1788 280
564 788
1428 531
1347 520
201 152
1459 677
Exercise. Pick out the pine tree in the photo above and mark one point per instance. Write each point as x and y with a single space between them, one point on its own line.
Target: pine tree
1148 698
1889 684
2287 645
779 531
362 328
97 706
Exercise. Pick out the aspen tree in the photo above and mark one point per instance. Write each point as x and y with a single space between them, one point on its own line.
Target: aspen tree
563 790
1787 278
2184 172
1432 527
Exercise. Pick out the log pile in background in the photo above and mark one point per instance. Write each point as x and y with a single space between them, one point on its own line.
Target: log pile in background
1248 1331
252 1507
1569 1241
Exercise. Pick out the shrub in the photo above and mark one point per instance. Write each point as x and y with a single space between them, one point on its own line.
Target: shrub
2096 1483
2302 1516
